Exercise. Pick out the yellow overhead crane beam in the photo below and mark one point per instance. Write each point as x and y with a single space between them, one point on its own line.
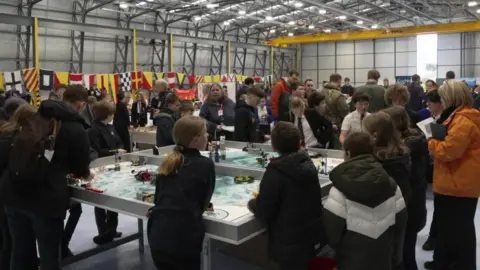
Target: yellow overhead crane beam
377 34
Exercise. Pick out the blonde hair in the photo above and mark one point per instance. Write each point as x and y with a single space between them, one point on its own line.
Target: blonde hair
397 92
388 142
184 131
455 93
208 90
296 102
20 117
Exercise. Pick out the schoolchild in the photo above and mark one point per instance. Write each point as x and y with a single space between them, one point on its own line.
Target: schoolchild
309 123
365 214
353 121
106 142
165 119
184 187
186 108
289 202
246 128
316 109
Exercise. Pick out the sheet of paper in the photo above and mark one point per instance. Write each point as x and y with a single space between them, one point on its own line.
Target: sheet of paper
228 128
424 126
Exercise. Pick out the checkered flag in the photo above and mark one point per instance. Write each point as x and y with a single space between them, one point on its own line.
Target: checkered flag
125 82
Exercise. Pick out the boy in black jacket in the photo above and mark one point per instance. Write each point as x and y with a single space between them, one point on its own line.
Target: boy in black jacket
246 116
106 142
165 119
290 202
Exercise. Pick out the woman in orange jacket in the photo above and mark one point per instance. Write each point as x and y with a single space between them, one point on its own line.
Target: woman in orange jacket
455 179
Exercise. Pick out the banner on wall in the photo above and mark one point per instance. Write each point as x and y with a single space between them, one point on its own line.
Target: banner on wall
403 79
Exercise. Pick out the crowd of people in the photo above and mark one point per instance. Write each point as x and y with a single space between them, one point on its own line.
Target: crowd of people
372 214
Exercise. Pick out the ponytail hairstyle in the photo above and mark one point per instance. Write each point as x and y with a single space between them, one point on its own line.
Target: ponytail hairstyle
388 142
19 118
401 121
185 130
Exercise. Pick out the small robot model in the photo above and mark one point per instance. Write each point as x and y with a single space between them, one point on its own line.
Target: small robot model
144 176
262 159
243 179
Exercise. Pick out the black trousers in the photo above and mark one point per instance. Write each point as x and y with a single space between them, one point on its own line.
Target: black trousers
456 241
433 226
409 257
6 241
164 261
75 212
107 221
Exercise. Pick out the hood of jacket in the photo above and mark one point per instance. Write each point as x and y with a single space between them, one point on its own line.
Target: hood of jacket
468 112
60 111
166 112
243 104
331 86
362 179
305 172
415 141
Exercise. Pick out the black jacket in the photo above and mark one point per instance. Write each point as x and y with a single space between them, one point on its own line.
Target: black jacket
245 123
321 127
164 122
71 156
104 139
290 204
347 89
416 97
209 111
158 102
365 216
121 122
284 107
414 117
176 224
399 168
139 119
419 155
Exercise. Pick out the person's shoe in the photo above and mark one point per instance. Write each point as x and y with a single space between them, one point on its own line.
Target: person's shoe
429 244
102 239
428 265
117 235
66 253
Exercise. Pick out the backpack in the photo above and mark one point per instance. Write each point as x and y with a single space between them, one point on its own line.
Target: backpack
32 151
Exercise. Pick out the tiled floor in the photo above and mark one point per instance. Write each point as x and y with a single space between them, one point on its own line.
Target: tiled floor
127 256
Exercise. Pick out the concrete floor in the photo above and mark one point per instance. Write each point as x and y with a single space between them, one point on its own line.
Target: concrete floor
127 256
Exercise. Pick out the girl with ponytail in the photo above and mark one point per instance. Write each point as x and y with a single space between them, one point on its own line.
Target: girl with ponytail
184 187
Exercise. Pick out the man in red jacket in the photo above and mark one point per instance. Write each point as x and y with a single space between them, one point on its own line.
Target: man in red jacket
282 86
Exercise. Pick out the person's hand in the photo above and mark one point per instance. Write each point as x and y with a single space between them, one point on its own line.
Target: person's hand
219 128
335 128
267 137
210 208
91 176
122 151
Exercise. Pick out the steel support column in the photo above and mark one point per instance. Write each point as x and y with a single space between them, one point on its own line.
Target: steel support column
216 58
189 52
121 45
240 53
260 61
76 50
24 35
157 62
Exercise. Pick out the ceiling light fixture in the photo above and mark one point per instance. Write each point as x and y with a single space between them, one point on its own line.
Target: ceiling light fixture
212 5
150 0
359 22
472 3
403 11
290 34
322 11
311 26
269 18
272 31
226 23
142 3
342 17
327 30
197 18
242 12
478 11
375 26
123 5
291 22
298 4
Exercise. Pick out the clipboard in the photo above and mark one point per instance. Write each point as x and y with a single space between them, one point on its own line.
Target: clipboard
439 131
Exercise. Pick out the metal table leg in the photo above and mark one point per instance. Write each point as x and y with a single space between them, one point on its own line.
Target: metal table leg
141 241
206 254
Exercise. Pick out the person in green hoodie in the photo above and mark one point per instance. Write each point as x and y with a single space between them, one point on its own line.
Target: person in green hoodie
365 214
375 91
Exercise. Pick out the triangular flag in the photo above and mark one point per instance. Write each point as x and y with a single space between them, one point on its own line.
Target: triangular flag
224 78
114 83
216 78
76 78
180 79
208 79
159 75
191 79
257 79
61 78
171 79
46 79
232 77
244 78
125 81
30 76
1 80
136 80
102 82
199 79
147 80
238 78
89 80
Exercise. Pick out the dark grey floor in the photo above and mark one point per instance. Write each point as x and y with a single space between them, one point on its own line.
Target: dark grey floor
127 257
